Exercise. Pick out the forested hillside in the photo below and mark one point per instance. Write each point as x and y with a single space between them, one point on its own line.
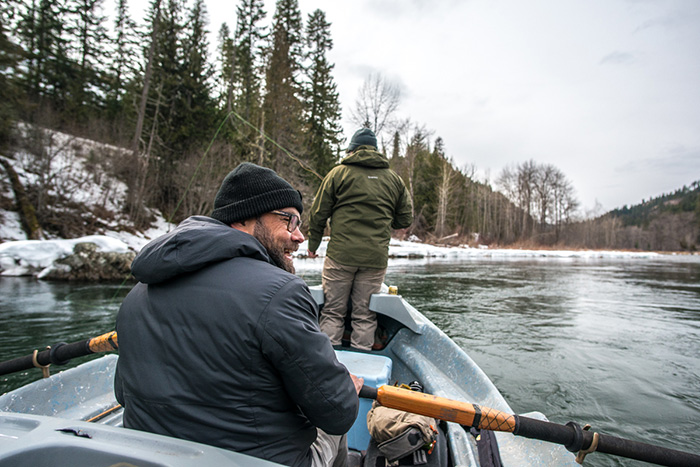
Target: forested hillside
667 222
173 120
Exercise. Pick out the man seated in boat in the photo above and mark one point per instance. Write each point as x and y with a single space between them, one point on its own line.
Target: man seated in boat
219 341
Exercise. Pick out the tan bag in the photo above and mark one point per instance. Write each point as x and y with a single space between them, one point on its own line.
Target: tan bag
400 433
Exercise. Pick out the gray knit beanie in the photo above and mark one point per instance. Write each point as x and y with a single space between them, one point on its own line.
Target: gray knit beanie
362 137
250 191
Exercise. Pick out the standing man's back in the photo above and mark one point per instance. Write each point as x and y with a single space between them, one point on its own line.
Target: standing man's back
364 200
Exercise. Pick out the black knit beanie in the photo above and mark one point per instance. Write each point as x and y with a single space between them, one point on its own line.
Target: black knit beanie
362 137
249 191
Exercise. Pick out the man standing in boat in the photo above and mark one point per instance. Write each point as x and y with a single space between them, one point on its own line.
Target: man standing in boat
219 341
364 199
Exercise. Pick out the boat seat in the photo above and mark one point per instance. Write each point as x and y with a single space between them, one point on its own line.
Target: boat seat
376 371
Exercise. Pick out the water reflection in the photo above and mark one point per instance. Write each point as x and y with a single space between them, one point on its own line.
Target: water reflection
613 344
34 314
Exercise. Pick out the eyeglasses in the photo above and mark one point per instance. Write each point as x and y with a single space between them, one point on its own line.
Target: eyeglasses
293 221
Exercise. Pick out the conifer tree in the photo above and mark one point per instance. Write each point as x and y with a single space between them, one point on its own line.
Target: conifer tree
10 56
122 66
225 62
426 179
288 19
282 120
168 76
196 104
243 61
40 31
163 137
248 56
88 45
322 106
445 189
137 168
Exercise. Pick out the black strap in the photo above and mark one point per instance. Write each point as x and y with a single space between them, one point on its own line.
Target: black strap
487 446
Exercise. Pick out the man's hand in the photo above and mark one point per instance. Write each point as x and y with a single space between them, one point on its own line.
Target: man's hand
311 254
358 382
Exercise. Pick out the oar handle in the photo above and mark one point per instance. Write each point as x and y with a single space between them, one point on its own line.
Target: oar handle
61 353
441 408
571 435
104 343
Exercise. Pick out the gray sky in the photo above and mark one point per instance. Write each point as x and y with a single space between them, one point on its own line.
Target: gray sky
606 90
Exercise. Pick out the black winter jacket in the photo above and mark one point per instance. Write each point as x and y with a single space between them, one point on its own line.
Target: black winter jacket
220 346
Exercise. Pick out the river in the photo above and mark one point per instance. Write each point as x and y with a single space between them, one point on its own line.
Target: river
610 342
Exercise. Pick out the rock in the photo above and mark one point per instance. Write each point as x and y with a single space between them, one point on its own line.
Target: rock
88 264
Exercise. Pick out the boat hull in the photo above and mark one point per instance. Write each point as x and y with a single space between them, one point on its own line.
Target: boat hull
81 400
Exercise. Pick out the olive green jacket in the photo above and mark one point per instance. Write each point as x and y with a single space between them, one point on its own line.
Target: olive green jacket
364 199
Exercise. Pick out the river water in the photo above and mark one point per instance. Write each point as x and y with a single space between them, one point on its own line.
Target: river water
610 342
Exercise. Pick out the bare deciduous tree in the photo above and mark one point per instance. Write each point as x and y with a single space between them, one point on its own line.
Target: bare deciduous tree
541 190
376 102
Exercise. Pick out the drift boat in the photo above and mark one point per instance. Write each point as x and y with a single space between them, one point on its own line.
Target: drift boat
72 417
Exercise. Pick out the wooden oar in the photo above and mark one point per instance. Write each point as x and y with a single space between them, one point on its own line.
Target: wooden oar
571 435
60 354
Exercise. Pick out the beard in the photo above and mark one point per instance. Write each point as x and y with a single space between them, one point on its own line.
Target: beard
275 248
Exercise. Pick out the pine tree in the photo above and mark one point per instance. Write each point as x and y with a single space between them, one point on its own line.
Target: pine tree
196 104
123 66
45 76
426 180
88 45
181 115
159 137
10 56
244 60
168 75
445 188
137 168
248 56
282 119
396 145
287 19
321 98
226 59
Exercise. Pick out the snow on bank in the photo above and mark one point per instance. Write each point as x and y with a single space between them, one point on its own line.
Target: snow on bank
401 252
23 257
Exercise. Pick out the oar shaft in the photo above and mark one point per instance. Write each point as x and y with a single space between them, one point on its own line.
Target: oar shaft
646 452
61 353
575 440
570 436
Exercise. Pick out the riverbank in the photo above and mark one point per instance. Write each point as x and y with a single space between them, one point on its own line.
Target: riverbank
42 258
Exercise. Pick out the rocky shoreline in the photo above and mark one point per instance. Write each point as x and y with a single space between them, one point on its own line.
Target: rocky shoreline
88 264
86 261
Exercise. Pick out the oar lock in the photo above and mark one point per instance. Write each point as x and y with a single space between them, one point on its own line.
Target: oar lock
576 444
52 359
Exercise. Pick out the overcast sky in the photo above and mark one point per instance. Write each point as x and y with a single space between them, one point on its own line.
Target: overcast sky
608 91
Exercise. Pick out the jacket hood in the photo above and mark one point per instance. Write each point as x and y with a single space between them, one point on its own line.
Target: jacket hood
367 158
194 244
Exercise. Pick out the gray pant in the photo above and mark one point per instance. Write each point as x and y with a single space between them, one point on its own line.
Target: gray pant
329 450
341 283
